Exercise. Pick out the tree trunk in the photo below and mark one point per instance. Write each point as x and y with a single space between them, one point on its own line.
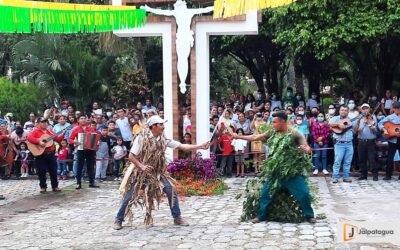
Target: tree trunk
298 77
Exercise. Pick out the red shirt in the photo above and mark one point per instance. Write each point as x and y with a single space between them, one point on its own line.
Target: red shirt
80 129
62 153
227 147
3 137
34 136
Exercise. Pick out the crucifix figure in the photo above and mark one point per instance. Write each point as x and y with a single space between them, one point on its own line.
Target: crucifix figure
184 34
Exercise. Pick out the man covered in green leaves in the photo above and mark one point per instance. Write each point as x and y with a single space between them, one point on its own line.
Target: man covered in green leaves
286 167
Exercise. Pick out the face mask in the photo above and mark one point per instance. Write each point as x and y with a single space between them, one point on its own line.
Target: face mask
374 98
315 114
299 122
301 112
298 98
351 106
320 119
109 114
289 94
314 97
380 117
274 97
331 111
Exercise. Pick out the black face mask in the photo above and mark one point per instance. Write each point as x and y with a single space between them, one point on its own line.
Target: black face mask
315 114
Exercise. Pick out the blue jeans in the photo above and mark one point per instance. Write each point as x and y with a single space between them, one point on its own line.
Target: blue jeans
175 211
61 168
343 153
320 155
116 167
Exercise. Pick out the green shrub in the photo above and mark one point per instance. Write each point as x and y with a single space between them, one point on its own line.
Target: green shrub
19 99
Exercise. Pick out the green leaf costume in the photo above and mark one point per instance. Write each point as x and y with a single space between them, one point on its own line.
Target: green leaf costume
284 163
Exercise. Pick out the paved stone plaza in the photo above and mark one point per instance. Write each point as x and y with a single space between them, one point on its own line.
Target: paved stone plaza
83 219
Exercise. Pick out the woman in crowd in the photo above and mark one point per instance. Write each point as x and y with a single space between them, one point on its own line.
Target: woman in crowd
320 133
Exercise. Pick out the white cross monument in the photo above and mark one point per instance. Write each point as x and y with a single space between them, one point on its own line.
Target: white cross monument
204 28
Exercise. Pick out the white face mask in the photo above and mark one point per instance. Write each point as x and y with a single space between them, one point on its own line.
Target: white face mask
314 97
301 112
374 98
331 111
351 106
299 122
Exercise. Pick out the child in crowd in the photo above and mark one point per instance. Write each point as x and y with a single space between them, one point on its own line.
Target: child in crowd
102 155
301 126
225 145
23 157
120 152
240 146
62 156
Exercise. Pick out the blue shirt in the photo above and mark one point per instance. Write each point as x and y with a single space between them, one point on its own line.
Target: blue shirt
390 118
367 132
348 135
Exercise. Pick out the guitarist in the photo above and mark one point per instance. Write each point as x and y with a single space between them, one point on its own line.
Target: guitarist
88 155
47 161
343 144
394 143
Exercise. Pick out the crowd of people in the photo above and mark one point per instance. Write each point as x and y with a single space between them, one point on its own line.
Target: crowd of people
116 129
353 144
349 134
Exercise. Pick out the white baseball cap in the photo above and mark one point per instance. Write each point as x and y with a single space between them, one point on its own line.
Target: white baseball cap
365 105
155 120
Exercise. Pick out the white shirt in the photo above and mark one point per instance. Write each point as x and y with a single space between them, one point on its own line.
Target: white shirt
312 103
239 144
275 104
119 151
137 145
353 115
388 103
125 128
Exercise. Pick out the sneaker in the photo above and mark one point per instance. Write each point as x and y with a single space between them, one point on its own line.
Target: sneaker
347 180
56 190
78 186
362 178
386 178
312 220
117 225
71 174
315 172
119 179
116 179
255 220
325 172
179 221
335 181
375 178
42 190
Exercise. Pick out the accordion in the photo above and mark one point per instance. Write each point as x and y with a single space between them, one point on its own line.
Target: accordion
88 141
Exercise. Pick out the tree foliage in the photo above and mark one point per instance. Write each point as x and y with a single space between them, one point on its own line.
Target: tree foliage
19 98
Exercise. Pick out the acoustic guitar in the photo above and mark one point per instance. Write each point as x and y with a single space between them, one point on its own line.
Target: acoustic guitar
38 150
348 123
345 122
392 129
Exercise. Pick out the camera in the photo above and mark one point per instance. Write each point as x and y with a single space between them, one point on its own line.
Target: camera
259 115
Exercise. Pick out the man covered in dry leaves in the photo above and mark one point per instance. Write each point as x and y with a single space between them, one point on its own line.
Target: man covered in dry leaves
146 178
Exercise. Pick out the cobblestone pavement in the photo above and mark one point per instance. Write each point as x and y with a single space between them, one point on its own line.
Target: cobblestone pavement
15 190
83 220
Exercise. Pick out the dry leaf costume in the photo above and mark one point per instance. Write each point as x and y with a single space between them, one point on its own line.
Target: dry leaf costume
145 189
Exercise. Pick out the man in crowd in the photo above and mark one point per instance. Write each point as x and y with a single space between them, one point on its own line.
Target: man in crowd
84 154
343 144
148 106
30 125
394 143
124 127
366 130
47 160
